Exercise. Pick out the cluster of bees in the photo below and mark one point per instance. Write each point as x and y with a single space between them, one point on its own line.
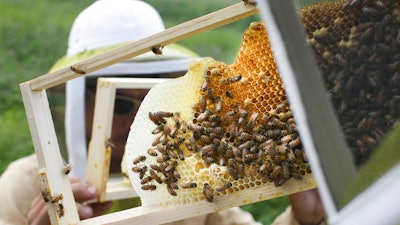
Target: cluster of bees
241 124
357 47
56 200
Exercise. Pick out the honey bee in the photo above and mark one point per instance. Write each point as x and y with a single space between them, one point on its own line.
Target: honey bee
46 196
162 149
174 185
281 106
77 70
208 192
171 166
149 187
279 182
157 49
176 174
291 156
223 81
146 180
250 157
233 172
203 104
224 187
67 169
205 139
285 169
172 154
215 118
137 169
60 210
209 160
198 129
171 191
277 171
229 94
156 141
163 139
222 161
189 185
281 149
296 175
242 112
160 114
204 85
260 138
263 168
274 133
210 95
176 118
158 129
164 158
56 198
253 169
207 148
234 79
215 71
250 2
236 151
139 159
247 144
241 170
152 152
244 136
204 116
181 154
294 143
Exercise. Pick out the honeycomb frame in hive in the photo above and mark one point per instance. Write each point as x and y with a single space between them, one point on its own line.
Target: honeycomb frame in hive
223 130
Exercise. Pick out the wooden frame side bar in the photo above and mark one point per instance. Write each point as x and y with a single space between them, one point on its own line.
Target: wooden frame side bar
55 183
99 150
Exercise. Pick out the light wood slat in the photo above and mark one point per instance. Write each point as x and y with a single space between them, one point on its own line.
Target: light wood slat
171 35
168 213
52 177
98 165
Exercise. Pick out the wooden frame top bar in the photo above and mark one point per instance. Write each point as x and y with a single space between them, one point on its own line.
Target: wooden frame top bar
174 34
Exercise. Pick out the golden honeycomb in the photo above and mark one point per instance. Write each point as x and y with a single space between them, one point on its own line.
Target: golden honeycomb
218 130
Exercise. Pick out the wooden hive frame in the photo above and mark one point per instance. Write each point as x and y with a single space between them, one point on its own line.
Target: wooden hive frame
53 180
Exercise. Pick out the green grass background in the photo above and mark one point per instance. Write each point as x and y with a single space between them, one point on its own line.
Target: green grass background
34 34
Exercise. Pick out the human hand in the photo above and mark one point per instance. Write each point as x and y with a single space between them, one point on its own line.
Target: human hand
83 191
307 207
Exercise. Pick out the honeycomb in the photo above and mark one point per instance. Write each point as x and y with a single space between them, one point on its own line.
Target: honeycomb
357 48
218 130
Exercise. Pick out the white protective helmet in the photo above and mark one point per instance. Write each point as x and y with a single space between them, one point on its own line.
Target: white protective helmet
104 25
